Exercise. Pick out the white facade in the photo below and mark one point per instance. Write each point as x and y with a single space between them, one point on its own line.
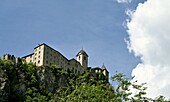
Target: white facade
82 58
44 55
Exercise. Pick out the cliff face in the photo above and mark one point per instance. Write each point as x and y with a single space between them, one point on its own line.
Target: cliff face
26 82
17 82
51 79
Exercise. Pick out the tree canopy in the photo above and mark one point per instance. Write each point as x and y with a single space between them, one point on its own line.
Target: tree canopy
23 82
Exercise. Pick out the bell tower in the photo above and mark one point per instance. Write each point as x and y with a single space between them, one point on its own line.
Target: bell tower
82 58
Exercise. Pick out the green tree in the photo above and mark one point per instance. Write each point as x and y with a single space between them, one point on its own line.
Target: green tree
26 82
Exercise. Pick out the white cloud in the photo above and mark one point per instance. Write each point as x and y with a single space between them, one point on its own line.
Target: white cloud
149 38
124 1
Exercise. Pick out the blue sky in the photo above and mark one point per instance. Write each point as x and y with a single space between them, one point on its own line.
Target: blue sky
67 26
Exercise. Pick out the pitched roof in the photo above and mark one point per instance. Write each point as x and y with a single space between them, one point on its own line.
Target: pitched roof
82 52
50 48
28 55
104 68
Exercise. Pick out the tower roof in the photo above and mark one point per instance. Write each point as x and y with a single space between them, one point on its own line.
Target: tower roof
82 52
103 67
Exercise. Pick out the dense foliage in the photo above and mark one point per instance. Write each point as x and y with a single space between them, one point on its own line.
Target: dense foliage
27 82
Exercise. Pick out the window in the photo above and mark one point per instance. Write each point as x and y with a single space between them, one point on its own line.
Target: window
30 56
79 57
38 61
84 58
30 61
46 62
39 52
35 58
38 56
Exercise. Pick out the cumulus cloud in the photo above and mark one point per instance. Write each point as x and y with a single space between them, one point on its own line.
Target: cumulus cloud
149 38
124 1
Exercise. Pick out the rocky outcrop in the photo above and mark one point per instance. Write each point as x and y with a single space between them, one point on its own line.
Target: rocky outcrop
22 80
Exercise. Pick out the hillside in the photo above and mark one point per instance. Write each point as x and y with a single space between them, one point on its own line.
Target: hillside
28 83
